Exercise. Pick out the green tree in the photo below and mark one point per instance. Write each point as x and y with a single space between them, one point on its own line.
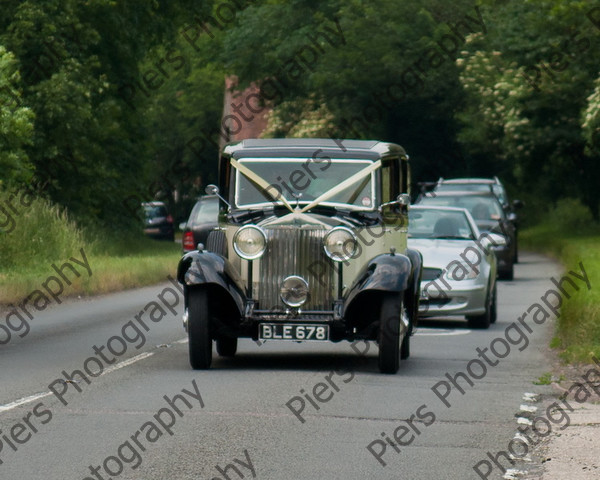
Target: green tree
16 125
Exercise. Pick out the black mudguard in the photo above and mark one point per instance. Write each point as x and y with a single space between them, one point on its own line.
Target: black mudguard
212 271
384 273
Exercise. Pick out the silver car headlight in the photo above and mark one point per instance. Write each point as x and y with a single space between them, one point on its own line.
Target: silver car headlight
340 244
460 271
250 242
294 291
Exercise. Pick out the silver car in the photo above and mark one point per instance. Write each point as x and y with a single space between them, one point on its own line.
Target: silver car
459 265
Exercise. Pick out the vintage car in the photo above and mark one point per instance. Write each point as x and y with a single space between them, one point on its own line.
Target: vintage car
459 264
311 245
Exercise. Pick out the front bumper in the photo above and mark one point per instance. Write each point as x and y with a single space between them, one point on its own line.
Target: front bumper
467 297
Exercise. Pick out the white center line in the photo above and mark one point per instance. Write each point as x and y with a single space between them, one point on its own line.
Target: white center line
37 396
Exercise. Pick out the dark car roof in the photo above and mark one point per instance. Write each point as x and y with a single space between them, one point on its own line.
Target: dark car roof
485 181
307 147
461 193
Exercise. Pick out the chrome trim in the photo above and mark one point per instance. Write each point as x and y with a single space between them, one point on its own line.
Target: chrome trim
291 249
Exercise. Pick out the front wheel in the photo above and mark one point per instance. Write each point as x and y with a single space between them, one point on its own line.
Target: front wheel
485 319
227 346
389 333
200 341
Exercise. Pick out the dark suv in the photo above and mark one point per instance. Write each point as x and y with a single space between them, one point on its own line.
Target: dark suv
158 223
203 219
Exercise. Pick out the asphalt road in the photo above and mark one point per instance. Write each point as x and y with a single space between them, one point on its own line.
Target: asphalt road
236 413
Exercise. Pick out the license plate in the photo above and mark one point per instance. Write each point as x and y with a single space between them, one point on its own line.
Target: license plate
152 230
282 331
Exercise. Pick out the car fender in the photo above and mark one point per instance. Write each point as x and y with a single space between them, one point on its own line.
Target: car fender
208 269
385 273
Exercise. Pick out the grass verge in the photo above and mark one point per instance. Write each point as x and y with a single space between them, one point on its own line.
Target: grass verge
578 327
36 234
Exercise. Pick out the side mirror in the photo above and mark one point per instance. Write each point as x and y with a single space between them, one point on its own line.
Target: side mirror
182 226
495 239
214 190
211 189
403 199
517 204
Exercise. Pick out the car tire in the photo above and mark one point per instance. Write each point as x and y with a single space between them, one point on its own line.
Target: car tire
494 307
507 274
389 333
485 319
227 346
200 341
405 347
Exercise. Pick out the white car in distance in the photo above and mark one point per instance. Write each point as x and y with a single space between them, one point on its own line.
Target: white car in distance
459 264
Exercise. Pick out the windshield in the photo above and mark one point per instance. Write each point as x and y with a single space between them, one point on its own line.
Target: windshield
155 211
481 207
442 224
306 180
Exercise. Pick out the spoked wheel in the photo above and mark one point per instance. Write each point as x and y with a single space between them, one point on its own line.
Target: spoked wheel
227 346
389 333
200 342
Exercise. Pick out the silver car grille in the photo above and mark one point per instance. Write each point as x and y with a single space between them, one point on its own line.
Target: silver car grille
291 250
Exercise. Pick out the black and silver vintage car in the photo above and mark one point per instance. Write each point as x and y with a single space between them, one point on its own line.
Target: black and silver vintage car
311 245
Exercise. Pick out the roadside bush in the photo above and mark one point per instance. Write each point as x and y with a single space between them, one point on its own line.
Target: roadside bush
571 214
35 232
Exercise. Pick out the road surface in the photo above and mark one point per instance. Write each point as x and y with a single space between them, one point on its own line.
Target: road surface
275 411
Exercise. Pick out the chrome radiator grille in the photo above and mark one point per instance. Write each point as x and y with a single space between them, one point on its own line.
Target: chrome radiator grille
291 250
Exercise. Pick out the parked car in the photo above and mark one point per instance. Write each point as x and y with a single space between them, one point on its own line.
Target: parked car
203 220
158 223
311 245
459 264
489 216
485 185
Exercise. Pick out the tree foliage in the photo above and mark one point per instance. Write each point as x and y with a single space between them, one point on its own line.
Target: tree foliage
105 104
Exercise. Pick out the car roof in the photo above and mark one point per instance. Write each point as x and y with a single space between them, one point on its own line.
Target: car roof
486 181
307 147
460 193
439 207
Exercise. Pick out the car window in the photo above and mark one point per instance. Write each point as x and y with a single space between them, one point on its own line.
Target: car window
155 211
207 212
439 224
481 207
306 179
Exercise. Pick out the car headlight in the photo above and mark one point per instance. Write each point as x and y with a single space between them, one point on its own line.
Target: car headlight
340 244
294 291
250 242
460 271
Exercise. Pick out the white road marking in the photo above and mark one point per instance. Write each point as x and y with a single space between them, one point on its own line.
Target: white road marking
512 474
37 396
127 362
442 332
530 397
524 421
528 408
23 401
